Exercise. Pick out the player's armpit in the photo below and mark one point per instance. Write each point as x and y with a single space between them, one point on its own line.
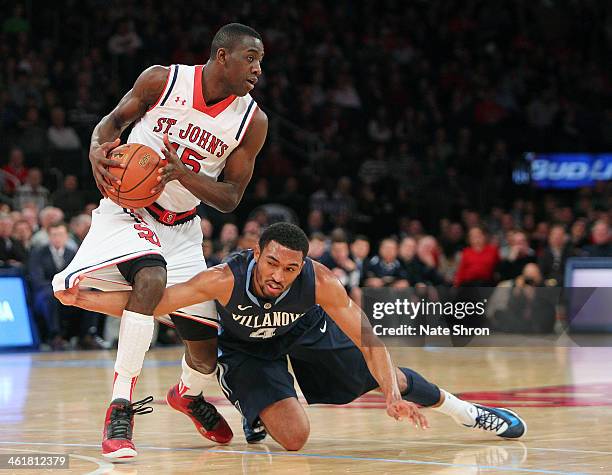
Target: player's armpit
226 195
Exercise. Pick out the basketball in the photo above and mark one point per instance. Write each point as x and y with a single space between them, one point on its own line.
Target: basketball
138 178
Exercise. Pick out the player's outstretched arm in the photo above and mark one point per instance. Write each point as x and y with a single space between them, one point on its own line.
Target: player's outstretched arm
147 89
223 195
332 297
215 283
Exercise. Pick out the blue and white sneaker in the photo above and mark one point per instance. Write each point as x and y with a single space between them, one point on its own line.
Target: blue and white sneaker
255 433
504 422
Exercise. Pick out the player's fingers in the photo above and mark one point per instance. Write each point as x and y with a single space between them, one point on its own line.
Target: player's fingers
107 162
170 154
108 177
108 146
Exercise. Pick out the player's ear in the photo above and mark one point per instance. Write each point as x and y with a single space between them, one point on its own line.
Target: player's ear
221 55
256 252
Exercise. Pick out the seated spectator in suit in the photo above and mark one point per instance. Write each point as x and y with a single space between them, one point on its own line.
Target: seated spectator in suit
552 260
22 232
519 255
600 238
385 269
44 263
12 252
478 261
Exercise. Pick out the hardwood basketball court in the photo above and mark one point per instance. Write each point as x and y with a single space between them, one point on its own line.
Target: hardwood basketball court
55 403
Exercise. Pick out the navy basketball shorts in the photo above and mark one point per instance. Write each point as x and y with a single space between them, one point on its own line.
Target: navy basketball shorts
329 369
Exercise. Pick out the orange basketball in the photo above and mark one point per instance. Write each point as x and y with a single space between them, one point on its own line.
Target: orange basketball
139 176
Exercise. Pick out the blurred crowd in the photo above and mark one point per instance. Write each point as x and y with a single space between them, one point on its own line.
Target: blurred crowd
394 130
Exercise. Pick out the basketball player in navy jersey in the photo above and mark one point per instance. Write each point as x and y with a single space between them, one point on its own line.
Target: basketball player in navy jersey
274 303
204 121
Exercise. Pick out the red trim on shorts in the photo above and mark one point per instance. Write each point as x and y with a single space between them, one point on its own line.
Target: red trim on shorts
163 91
209 323
248 125
198 97
76 278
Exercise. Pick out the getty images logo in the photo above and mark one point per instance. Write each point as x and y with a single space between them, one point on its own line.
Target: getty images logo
6 312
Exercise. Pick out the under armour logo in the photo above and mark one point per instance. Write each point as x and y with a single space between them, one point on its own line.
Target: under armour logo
178 99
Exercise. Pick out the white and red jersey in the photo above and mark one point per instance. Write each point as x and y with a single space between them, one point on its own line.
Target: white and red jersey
204 136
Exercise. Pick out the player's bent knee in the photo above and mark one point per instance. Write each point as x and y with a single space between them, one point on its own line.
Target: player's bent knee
150 281
296 441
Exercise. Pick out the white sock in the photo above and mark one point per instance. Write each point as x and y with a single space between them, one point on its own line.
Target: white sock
135 335
192 382
462 411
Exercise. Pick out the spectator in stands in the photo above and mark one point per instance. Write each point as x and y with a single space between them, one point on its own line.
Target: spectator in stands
252 227
520 305
44 263
478 261
339 261
578 234
316 221
32 191
228 240
208 250
79 227
30 214
12 252
48 217
22 232
360 252
385 269
248 241
552 261
69 198
316 246
519 255
600 238
207 228
33 136
15 167
61 136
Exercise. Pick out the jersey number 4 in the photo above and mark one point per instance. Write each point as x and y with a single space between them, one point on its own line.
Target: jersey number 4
263 333
188 156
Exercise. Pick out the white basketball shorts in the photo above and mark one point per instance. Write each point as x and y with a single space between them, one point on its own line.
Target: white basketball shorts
118 235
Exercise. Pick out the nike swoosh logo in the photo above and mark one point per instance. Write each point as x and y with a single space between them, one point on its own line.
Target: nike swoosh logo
244 307
324 327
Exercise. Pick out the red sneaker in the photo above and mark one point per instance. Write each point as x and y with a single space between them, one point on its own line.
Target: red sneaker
117 437
204 415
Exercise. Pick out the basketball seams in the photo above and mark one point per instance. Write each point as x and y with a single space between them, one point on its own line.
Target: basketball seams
119 194
145 177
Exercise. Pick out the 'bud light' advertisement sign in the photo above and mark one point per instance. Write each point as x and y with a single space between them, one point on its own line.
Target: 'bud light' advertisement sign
566 170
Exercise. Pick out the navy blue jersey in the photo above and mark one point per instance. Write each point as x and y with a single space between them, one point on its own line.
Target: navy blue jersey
253 323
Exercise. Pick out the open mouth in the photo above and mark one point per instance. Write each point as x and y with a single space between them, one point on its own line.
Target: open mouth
252 81
273 288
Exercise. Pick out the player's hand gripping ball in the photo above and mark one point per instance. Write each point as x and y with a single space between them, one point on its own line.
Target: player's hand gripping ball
137 179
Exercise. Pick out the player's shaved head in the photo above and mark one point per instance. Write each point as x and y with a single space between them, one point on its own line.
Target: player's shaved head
287 235
229 35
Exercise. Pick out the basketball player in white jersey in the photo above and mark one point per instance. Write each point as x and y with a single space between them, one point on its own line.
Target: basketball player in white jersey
204 121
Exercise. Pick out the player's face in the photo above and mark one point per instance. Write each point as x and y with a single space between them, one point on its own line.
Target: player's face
277 267
243 65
